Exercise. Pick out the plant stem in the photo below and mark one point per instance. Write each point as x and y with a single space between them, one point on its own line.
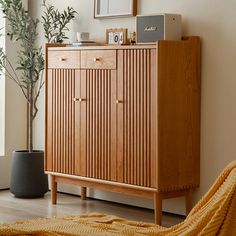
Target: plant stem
31 111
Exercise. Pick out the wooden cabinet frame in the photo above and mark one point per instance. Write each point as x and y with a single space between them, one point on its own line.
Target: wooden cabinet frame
128 124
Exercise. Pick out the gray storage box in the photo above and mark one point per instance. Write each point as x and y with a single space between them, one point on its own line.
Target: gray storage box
151 28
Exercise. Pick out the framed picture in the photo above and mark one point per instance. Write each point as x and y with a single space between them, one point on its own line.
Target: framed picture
116 36
114 8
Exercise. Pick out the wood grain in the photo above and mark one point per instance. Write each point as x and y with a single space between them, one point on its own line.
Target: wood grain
97 59
101 47
98 116
103 184
64 59
152 136
61 120
83 193
178 114
53 190
133 116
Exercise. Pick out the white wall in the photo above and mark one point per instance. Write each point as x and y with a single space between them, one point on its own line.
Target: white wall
13 114
2 92
214 21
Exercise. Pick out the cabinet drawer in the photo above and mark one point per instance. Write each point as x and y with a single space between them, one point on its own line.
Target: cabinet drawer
64 59
98 59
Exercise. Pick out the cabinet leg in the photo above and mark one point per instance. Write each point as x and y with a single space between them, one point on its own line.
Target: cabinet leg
83 193
158 208
189 201
53 190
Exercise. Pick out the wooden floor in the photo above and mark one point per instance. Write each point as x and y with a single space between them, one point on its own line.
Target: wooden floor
14 209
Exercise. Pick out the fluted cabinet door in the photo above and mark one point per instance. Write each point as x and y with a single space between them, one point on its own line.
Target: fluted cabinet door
98 124
61 88
137 117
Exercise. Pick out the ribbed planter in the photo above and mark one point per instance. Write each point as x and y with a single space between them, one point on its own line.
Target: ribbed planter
28 179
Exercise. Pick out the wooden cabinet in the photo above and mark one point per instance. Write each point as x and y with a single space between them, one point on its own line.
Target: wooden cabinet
125 119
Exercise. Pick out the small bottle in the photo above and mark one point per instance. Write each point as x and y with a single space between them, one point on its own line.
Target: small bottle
132 38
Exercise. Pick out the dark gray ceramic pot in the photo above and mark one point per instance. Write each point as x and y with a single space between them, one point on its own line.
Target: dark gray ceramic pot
28 179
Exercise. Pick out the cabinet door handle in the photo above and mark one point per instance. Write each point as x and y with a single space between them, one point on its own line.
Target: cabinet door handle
96 59
119 101
79 99
62 59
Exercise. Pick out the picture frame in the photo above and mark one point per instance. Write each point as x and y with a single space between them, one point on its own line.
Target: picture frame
116 36
110 8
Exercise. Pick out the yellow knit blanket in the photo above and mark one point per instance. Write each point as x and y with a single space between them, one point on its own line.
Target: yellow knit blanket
214 214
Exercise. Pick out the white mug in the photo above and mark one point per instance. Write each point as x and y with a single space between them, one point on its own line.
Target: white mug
82 36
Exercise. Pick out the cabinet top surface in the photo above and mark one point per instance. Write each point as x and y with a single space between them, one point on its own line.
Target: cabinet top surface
64 47
103 47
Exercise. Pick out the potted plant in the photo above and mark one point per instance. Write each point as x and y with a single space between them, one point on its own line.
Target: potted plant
28 179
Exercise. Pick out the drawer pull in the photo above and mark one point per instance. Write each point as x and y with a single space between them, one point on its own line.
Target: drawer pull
62 59
96 59
79 99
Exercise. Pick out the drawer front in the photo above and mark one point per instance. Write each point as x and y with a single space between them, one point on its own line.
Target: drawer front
64 59
98 59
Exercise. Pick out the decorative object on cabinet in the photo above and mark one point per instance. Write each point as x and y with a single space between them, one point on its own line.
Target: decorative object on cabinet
125 119
79 44
116 36
112 8
151 28
82 36
132 38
